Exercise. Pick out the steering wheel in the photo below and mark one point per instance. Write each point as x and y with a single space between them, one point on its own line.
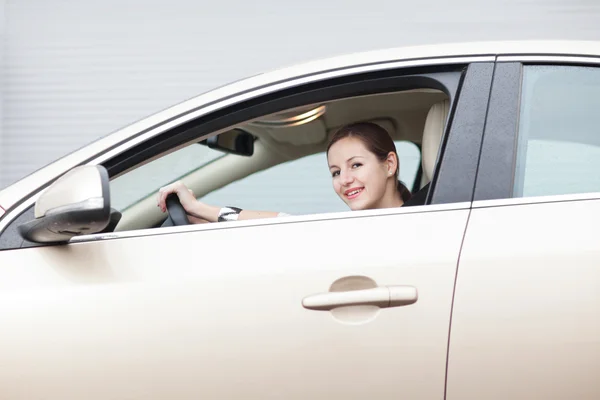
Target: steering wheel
177 215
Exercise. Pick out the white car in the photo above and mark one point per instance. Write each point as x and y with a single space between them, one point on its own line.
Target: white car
490 289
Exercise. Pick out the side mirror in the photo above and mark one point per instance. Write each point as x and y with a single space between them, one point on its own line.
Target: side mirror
235 141
77 203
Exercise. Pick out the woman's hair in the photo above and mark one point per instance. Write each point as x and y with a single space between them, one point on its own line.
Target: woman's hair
378 141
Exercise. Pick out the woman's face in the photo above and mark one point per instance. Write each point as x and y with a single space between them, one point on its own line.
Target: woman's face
359 178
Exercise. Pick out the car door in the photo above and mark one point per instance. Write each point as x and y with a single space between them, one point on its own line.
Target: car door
342 305
525 320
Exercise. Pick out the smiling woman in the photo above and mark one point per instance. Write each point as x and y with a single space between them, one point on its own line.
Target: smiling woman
364 166
303 186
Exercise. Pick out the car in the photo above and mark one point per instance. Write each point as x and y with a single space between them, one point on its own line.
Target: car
488 289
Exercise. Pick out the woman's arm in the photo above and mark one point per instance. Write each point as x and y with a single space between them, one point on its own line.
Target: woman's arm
194 220
201 211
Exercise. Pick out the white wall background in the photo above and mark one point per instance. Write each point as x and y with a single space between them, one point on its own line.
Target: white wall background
75 70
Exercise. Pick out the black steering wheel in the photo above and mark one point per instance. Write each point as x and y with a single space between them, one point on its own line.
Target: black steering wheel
177 215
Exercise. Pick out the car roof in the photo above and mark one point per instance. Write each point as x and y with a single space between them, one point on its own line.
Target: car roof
12 194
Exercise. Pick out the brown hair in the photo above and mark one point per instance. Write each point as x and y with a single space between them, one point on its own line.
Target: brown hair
378 141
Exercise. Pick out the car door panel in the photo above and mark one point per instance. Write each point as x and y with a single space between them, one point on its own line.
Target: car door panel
525 322
216 312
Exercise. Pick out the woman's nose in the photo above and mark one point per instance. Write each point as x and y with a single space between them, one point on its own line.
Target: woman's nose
347 178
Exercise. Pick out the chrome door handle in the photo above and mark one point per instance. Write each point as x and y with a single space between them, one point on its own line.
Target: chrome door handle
383 296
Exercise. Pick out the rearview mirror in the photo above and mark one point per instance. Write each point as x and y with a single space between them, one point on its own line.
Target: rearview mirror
235 141
77 203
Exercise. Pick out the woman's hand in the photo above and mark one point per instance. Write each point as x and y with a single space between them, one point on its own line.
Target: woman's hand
186 196
197 212
201 212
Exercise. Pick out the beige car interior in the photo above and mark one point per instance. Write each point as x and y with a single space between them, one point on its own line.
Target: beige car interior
414 115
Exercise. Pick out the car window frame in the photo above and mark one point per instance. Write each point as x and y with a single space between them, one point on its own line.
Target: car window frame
496 174
385 80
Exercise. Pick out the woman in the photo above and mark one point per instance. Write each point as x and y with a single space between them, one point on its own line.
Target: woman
364 167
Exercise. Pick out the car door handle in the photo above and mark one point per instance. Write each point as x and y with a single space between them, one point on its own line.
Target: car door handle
382 296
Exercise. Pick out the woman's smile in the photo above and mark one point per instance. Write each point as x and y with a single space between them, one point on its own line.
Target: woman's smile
353 193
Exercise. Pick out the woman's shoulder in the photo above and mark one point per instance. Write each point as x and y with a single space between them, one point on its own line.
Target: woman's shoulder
418 199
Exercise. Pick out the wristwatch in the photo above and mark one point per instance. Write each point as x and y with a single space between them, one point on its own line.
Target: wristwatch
229 214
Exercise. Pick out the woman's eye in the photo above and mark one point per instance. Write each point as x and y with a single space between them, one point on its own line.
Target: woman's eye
356 165
335 173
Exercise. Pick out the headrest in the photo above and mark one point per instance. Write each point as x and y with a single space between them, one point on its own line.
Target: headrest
432 136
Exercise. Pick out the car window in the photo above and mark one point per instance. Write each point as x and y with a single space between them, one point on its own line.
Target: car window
129 188
301 186
558 149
